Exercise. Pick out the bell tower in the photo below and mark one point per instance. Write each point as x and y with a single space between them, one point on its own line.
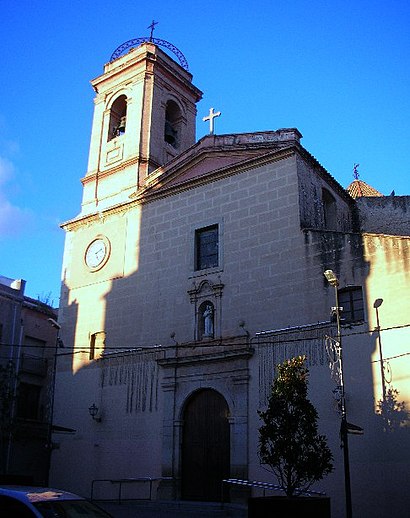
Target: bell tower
144 115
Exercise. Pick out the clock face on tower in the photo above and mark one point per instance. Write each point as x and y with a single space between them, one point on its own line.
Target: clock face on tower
97 253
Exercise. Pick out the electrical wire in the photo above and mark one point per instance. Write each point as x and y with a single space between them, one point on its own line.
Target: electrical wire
189 345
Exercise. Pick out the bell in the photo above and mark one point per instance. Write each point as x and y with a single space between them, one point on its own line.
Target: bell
121 126
169 133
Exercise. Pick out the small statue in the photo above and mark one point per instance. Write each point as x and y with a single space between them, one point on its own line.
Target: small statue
208 321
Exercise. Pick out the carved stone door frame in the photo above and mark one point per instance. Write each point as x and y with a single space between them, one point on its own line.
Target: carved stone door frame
190 370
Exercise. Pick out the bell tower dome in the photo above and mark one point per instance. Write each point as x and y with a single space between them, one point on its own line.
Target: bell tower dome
144 115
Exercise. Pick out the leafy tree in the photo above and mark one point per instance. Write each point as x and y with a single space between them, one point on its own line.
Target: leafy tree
288 439
393 412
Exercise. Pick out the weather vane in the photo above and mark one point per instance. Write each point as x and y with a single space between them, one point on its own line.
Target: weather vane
211 118
355 171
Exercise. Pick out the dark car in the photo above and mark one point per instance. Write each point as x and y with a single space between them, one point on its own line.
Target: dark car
45 502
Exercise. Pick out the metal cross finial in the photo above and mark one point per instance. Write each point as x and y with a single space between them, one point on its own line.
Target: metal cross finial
152 27
211 118
355 171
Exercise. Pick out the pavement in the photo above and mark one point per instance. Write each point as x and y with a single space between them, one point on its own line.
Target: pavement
172 509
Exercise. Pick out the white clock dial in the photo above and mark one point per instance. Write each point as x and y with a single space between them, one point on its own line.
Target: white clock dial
97 253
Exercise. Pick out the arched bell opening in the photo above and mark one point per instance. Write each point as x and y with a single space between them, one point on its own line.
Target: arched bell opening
118 118
172 129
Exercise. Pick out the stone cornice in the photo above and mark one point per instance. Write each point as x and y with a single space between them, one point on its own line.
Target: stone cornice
356 234
201 356
87 219
91 177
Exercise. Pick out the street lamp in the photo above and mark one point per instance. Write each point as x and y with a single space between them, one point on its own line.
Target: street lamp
333 281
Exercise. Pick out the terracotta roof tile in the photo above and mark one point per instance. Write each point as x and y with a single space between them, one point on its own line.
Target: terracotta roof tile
358 188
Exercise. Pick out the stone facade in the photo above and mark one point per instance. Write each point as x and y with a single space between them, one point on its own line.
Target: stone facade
385 215
275 220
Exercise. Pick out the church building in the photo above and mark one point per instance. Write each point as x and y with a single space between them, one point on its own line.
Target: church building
195 267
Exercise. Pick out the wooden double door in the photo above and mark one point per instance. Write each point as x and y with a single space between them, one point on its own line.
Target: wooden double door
205 446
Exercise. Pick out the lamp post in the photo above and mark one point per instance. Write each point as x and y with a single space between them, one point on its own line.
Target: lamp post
58 343
333 281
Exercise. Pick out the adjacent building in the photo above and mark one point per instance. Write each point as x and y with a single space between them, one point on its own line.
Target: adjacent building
191 270
28 337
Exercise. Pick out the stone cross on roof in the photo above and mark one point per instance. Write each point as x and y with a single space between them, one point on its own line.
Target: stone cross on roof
211 118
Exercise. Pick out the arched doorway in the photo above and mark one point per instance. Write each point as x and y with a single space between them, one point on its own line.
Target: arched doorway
205 446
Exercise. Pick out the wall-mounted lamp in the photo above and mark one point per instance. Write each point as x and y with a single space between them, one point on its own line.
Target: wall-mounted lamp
93 411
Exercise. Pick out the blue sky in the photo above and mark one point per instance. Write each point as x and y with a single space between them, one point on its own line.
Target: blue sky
337 70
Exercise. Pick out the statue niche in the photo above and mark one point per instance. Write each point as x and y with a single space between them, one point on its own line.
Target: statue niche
206 320
206 300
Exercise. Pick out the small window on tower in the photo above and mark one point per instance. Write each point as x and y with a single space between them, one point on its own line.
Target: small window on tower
118 117
206 247
172 130
97 344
